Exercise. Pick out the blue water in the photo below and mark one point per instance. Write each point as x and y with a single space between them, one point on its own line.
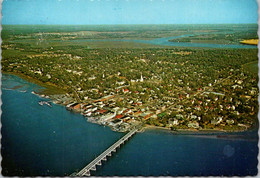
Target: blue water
165 42
39 140
157 153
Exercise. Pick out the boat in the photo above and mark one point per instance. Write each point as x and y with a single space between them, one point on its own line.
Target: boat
48 104
44 102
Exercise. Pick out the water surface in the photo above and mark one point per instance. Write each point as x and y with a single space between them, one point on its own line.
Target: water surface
165 42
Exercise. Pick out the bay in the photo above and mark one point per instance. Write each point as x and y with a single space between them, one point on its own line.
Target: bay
40 141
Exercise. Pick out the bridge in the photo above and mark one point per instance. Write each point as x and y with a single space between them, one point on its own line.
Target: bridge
103 156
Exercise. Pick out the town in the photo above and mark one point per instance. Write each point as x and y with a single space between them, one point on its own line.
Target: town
167 87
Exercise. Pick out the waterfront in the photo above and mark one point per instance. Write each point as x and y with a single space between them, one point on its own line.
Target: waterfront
39 140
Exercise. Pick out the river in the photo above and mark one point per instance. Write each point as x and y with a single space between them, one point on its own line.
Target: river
165 42
41 140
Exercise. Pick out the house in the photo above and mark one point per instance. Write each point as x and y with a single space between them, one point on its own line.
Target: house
216 121
173 122
92 78
107 117
116 109
137 113
193 124
139 103
102 111
231 121
89 106
248 97
228 107
131 121
158 111
76 107
88 110
253 91
125 90
143 114
125 119
115 122
94 109
240 82
154 116
71 105
163 108
148 116
179 116
119 116
120 83
126 111
194 117
197 107
88 114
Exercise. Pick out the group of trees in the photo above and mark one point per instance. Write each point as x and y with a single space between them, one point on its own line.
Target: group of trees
108 66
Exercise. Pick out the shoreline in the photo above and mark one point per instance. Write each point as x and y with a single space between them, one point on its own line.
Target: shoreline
47 87
200 131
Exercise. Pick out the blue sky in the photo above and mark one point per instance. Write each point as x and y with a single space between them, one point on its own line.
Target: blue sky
129 11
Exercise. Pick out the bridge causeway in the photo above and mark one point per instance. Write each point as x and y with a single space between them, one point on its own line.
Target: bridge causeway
103 156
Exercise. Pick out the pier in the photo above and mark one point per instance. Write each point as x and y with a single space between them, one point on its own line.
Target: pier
103 156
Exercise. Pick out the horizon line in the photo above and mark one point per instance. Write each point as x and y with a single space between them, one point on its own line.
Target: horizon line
145 24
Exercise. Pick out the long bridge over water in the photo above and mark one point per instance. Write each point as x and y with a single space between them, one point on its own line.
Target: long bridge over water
103 156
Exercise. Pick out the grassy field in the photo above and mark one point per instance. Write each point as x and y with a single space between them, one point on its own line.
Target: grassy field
252 67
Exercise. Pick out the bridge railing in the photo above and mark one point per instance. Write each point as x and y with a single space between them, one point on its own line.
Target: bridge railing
103 155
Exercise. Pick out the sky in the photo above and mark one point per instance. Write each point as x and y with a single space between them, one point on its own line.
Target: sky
129 11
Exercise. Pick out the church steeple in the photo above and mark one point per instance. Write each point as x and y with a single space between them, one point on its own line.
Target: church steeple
141 80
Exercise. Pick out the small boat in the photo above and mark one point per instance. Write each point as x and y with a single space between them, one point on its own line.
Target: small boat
48 104
44 102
